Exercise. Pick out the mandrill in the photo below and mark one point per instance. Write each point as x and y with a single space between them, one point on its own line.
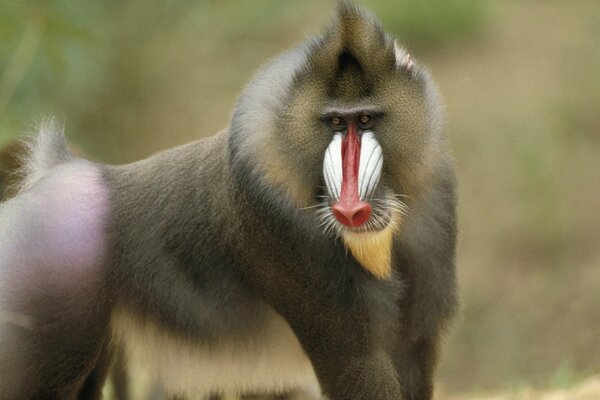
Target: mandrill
308 248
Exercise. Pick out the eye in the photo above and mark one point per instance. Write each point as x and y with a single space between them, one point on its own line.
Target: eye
364 119
337 123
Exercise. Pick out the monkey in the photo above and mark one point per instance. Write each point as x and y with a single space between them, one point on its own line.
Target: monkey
309 246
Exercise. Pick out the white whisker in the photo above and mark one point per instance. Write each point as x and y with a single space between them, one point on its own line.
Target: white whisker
400 195
309 207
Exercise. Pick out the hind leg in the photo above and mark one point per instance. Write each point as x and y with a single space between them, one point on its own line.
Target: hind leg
94 382
54 310
56 352
53 346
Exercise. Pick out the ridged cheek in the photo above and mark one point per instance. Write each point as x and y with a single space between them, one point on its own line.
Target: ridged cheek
371 163
332 167
369 171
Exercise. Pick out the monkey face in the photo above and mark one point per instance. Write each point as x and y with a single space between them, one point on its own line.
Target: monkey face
364 118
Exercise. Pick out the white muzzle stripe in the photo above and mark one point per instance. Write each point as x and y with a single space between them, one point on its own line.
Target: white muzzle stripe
332 167
369 169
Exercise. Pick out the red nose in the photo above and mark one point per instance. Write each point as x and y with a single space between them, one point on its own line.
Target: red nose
353 215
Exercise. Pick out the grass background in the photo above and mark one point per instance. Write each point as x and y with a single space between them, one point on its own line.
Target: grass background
521 82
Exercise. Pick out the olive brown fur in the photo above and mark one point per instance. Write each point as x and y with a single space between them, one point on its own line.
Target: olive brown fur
216 247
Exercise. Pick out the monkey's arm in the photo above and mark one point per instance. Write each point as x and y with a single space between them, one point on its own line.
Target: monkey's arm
316 287
424 258
333 325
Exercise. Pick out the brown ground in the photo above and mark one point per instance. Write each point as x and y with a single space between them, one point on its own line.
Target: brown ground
587 390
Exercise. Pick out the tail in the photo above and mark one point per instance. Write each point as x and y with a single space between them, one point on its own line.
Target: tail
43 152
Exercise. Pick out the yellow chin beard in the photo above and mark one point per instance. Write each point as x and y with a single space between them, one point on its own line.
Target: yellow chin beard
373 250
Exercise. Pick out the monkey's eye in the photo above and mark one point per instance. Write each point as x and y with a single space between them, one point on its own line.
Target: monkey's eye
337 123
366 121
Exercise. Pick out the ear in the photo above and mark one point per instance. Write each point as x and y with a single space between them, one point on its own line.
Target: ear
403 59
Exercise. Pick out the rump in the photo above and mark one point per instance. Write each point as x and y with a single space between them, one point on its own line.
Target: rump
53 313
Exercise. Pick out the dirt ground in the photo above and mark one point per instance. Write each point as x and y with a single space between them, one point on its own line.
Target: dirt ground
586 390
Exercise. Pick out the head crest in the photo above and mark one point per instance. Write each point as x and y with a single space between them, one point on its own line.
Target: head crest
355 52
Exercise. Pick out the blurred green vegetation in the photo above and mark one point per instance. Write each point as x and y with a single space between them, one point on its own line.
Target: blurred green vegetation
522 88
96 64
433 22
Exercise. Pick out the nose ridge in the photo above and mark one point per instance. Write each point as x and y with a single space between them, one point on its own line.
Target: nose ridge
352 215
